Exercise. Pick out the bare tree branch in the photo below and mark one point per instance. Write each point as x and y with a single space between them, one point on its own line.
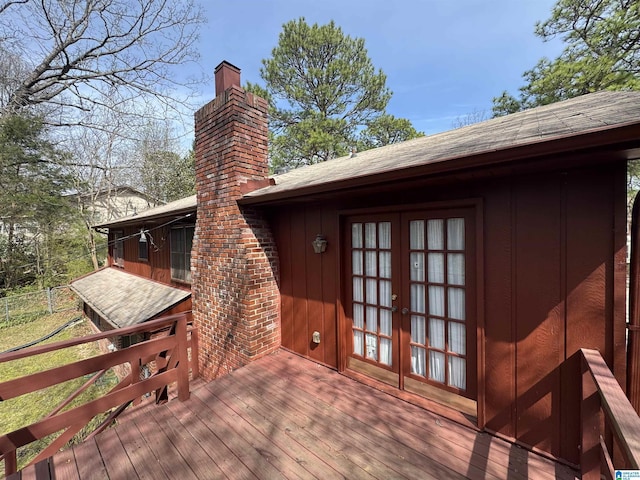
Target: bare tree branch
78 52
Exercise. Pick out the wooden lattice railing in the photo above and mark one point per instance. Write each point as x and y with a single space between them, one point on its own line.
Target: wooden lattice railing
171 344
606 412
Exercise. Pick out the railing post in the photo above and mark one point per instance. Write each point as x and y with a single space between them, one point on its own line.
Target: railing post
183 358
589 425
10 463
195 354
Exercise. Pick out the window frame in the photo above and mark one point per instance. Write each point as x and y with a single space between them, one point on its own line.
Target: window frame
186 255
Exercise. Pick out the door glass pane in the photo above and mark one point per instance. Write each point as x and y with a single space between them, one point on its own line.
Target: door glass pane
418 364
385 293
385 264
435 234
457 338
417 329
455 268
385 322
357 262
455 234
384 235
357 343
416 235
417 266
436 366
458 372
358 293
356 235
436 300
370 264
372 291
358 315
417 298
370 235
385 351
456 303
372 319
372 346
436 333
436 267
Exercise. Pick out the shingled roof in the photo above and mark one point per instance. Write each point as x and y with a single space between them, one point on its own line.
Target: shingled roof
542 126
123 299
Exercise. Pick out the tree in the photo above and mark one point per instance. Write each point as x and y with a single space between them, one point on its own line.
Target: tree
323 90
69 58
168 176
34 209
164 174
602 52
476 116
385 130
105 68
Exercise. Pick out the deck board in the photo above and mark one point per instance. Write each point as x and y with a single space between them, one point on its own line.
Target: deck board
183 441
349 435
287 417
431 435
299 428
114 456
161 444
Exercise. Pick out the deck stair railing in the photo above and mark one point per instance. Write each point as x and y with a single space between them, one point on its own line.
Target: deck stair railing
171 345
605 408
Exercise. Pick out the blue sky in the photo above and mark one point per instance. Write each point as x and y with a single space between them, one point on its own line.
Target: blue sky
443 58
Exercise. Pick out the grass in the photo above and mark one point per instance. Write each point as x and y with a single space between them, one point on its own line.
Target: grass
27 409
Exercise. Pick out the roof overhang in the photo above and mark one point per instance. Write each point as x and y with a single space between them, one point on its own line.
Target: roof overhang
123 299
603 121
183 208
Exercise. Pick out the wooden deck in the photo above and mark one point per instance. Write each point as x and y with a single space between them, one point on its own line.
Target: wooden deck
286 417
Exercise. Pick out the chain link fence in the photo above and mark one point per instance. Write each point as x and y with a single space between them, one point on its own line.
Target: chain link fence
26 307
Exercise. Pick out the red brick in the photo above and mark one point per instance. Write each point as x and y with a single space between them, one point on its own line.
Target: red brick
235 292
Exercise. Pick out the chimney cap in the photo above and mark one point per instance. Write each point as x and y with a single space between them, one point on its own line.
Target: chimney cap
224 63
226 76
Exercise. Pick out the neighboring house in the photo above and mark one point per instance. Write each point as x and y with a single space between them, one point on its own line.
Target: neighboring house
149 269
98 207
465 268
111 203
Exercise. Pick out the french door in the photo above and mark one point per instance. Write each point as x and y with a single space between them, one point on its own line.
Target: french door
411 300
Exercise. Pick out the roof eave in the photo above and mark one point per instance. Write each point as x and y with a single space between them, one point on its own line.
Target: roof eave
146 220
596 138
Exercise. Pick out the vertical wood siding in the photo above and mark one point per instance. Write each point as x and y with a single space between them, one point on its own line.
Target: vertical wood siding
158 267
308 281
550 246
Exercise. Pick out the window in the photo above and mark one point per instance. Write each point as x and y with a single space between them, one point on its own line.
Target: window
143 248
181 241
118 248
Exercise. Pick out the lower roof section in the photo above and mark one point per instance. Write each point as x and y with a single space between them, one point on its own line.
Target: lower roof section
123 299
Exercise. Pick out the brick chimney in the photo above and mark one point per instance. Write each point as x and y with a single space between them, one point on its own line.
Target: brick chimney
235 293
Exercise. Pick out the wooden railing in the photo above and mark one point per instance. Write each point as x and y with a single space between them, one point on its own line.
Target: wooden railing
605 408
172 343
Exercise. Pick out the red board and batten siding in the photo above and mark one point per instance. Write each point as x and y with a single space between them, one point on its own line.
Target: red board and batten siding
158 266
308 281
551 286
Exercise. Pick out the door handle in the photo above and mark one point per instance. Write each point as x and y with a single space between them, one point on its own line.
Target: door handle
394 309
404 311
